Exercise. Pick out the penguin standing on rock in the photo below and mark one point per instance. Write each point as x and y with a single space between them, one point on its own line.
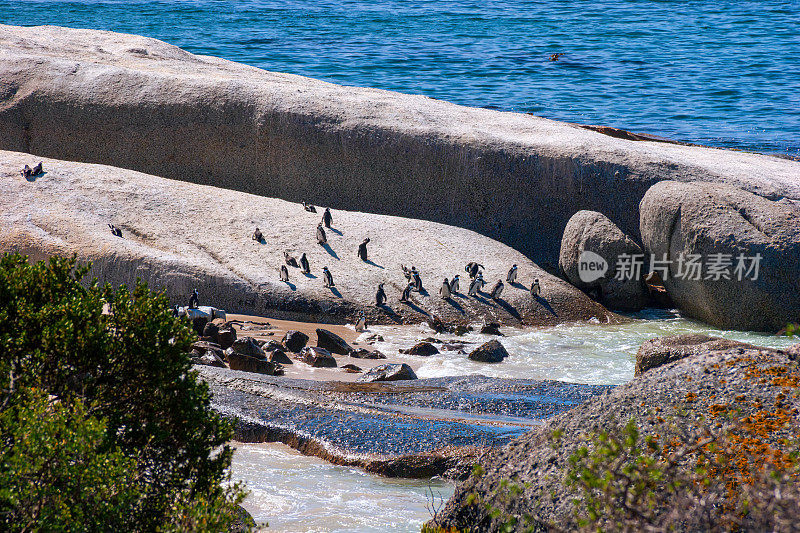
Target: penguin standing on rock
326 274
321 237
497 290
380 296
257 235
535 289
291 261
26 172
476 285
309 207
444 290
473 269
194 300
454 285
38 169
512 275
416 279
305 268
327 218
284 274
406 296
361 325
362 250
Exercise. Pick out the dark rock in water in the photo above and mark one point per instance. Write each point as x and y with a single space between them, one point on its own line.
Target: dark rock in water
432 340
437 324
295 341
591 237
390 372
664 350
492 328
461 330
199 324
363 353
248 346
490 352
211 330
317 357
226 337
332 342
374 338
280 357
731 230
351 368
245 363
423 349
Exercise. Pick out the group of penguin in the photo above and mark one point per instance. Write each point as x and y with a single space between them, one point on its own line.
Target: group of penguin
448 288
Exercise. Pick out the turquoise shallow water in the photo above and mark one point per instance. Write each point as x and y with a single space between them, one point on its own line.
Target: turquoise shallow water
723 73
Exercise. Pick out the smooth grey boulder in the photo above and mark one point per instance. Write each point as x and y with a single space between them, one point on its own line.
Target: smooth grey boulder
389 372
87 95
727 228
332 342
490 352
317 357
295 340
593 232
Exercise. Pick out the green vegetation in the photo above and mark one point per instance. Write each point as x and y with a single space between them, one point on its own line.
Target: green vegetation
102 423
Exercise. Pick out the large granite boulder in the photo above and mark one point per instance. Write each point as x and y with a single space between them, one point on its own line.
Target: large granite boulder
592 249
389 372
663 350
752 389
733 256
490 352
89 96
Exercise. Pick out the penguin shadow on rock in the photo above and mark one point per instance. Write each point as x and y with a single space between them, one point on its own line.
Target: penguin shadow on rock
371 262
291 285
33 177
336 231
309 275
390 313
330 251
518 285
544 303
335 292
457 306
509 308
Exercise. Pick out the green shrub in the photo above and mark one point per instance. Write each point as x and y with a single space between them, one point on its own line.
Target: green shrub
125 378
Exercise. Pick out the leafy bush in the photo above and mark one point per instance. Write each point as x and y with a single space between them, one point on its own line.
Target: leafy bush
698 481
120 390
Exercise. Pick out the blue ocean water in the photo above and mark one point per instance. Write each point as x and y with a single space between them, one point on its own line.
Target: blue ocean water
723 73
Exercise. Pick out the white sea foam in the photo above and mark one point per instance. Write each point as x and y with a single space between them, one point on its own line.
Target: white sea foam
294 492
580 353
